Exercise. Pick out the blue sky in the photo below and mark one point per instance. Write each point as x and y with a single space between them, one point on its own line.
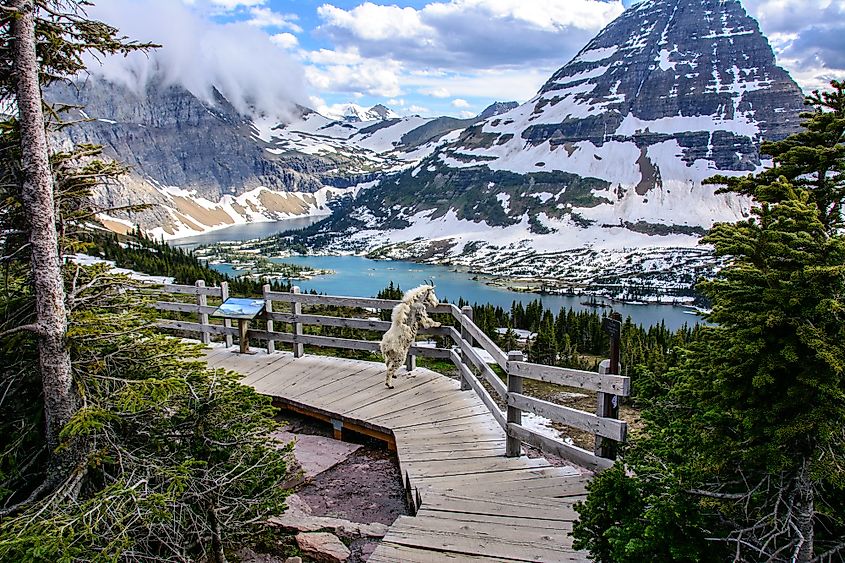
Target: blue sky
428 57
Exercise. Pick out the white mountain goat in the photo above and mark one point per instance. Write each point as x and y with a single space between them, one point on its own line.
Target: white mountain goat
407 316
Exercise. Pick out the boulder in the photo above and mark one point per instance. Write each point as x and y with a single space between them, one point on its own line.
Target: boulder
338 526
323 547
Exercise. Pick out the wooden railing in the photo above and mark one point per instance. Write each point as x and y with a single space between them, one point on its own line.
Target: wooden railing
465 336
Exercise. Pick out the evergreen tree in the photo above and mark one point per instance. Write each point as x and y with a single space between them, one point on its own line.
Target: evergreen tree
745 437
158 457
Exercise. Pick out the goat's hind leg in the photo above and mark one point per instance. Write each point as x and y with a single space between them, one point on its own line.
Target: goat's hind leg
391 369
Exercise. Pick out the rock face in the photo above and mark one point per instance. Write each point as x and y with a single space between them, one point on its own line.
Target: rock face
168 135
497 108
610 153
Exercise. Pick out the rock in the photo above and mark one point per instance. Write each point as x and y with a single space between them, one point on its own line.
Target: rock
293 560
323 547
297 506
339 526
317 453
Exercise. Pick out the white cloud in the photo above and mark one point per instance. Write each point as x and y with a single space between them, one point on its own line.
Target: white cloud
440 92
375 22
370 76
415 109
808 37
470 34
285 40
265 17
201 55
232 4
467 114
460 103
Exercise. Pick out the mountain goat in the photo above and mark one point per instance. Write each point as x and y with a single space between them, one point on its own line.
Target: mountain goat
407 316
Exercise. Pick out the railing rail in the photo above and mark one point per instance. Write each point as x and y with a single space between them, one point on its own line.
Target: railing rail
473 369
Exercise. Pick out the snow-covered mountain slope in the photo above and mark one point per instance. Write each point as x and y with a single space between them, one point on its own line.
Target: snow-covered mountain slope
609 155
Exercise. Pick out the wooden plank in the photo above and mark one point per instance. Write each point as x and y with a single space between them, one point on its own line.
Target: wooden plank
182 307
396 553
482 393
194 327
555 538
607 427
191 290
468 543
492 506
415 407
343 301
573 453
613 384
503 521
484 341
529 474
472 354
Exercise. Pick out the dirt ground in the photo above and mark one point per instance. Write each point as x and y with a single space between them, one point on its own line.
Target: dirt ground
366 487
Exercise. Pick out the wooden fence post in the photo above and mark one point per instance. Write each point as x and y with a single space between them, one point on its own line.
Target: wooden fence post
298 347
607 404
268 307
224 295
513 446
466 311
202 301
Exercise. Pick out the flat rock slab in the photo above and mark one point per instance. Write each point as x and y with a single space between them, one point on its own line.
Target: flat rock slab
343 528
316 453
323 547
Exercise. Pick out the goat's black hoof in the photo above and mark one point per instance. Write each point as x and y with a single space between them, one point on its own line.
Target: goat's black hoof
389 386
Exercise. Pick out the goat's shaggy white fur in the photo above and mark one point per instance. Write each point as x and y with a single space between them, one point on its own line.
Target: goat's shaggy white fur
407 316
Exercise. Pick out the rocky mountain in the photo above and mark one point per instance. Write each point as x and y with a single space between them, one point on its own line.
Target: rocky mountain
608 157
497 108
204 165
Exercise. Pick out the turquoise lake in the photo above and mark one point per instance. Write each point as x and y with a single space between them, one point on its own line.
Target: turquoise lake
360 277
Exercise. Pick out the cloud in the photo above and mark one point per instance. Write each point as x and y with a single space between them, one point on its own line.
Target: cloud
239 60
460 103
285 40
265 17
440 92
347 71
470 34
232 4
808 37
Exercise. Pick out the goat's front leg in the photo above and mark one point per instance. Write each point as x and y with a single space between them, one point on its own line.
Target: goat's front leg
426 321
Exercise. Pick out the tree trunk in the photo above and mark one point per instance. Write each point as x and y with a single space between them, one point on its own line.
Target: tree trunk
60 400
804 512
217 553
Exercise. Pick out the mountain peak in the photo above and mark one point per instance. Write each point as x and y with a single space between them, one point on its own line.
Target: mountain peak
677 59
497 108
354 113
383 112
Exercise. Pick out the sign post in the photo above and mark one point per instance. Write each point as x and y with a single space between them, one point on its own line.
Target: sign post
243 311
608 404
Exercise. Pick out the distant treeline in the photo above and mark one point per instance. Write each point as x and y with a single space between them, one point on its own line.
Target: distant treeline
575 339
138 252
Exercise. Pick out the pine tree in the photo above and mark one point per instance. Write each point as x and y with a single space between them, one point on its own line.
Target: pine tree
745 436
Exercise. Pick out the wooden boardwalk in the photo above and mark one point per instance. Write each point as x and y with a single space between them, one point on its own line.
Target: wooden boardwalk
473 503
